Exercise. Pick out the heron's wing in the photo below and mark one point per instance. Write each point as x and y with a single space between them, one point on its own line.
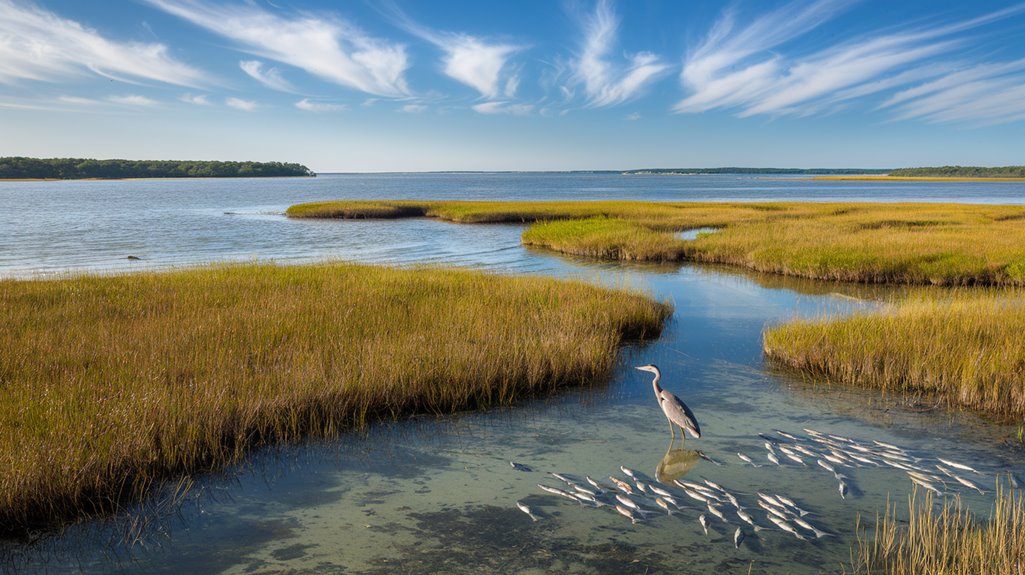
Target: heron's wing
678 412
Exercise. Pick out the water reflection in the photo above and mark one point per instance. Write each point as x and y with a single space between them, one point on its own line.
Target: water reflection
675 464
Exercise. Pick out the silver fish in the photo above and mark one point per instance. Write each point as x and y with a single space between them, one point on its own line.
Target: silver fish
791 504
738 537
897 465
704 522
702 455
773 511
794 457
717 512
843 490
590 499
663 504
627 502
782 524
746 518
968 484
520 467
523 507
629 472
714 485
659 491
622 485
786 435
627 513
805 451
733 500
772 457
561 478
672 500
888 446
584 490
769 447
819 534
925 484
747 459
557 491
827 466
833 459
695 495
960 466
641 486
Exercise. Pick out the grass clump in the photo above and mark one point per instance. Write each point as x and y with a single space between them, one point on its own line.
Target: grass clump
942 244
110 384
948 541
964 347
605 238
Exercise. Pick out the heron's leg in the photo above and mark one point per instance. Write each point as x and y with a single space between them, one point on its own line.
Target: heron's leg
683 438
672 431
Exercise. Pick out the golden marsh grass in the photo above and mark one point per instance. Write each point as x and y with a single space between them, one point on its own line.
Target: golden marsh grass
966 347
942 244
110 384
947 541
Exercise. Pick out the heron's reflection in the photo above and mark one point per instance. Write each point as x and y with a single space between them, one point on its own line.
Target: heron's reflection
675 464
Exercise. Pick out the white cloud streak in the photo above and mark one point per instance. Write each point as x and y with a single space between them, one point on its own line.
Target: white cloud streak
240 104
270 77
307 105
605 83
197 99
132 100
325 46
741 68
413 108
493 108
39 45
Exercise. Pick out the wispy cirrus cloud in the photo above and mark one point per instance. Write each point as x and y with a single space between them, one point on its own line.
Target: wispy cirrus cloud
197 99
240 104
132 100
607 83
323 45
473 61
743 68
270 77
307 105
500 107
36 44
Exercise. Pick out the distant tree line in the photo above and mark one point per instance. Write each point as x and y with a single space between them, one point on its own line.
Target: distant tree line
78 168
776 171
963 171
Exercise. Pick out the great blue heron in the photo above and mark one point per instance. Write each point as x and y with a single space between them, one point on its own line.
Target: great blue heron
676 411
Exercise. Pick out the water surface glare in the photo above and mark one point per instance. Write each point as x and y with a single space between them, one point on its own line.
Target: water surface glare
434 495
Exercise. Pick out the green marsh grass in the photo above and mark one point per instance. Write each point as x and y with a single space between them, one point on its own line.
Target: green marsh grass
945 541
966 347
941 244
109 385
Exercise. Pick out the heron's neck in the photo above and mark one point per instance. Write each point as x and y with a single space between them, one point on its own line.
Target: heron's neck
654 382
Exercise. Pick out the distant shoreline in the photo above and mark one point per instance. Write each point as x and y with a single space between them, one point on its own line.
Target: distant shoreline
154 178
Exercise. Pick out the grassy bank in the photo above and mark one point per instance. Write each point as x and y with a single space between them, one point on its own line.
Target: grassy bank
966 348
110 384
875 178
948 541
944 244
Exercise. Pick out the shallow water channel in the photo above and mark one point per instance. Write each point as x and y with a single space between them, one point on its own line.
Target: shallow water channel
438 495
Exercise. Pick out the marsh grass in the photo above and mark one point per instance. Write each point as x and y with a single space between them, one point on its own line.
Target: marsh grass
941 244
109 385
966 347
945 541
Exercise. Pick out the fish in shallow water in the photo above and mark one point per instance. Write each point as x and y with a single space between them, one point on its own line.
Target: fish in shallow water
627 502
782 524
557 491
843 489
960 466
747 518
641 486
772 457
629 472
714 485
819 534
925 484
738 537
600 487
629 514
520 467
659 491
747 459
791 504
968 484
717 512
889 446
702 455
561 477
704 522
825 465
523 507
622 485
663 504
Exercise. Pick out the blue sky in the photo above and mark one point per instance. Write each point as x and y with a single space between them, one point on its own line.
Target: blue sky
527 85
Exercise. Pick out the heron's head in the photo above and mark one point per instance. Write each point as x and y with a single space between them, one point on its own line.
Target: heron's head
649 368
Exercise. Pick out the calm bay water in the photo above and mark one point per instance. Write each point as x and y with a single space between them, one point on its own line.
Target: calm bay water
438 494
